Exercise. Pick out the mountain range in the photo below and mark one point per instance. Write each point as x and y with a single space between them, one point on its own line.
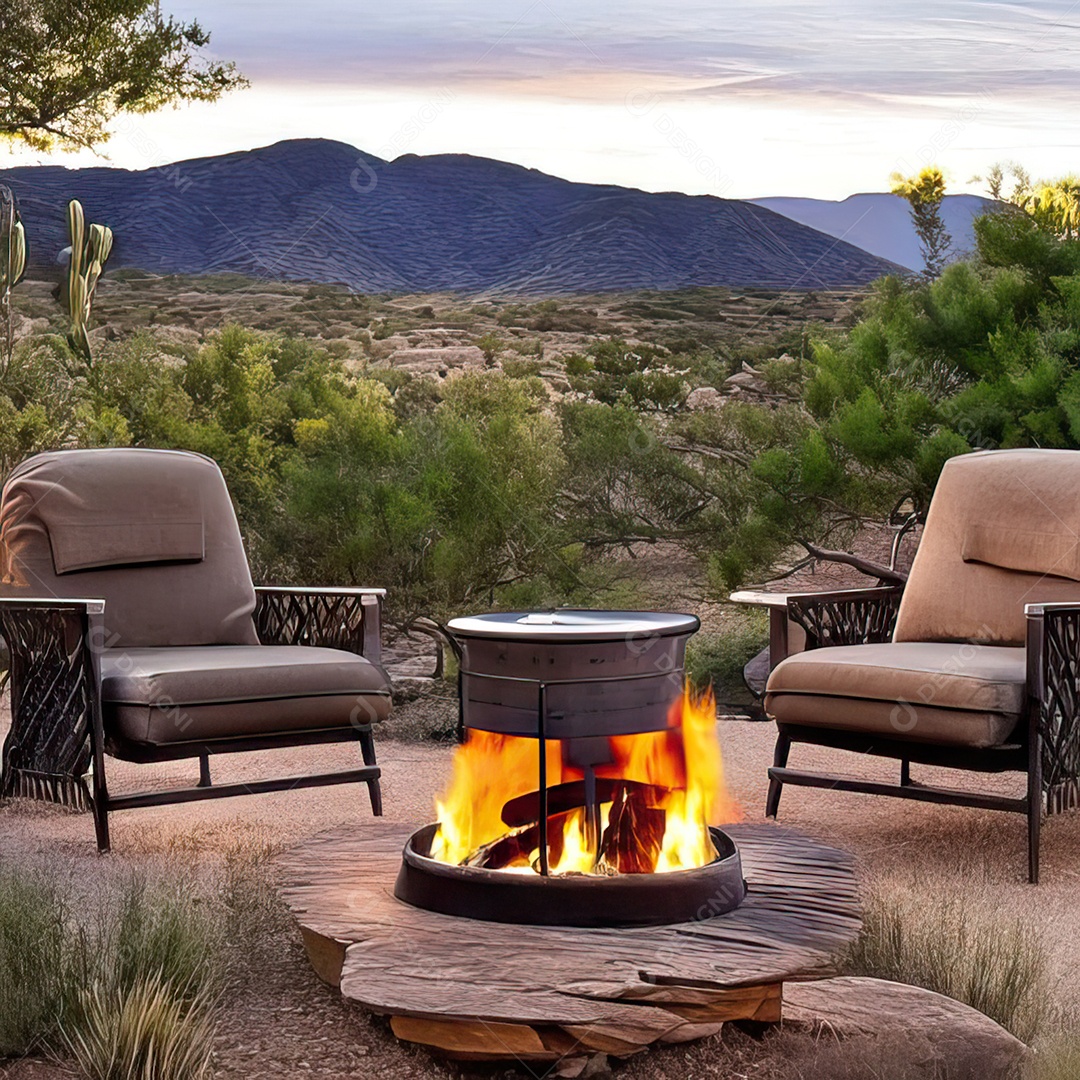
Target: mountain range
319 210
881 224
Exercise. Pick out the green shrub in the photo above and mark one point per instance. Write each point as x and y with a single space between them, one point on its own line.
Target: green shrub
34 962
996 965
490 345
522 369
531 347
640 375
718 658
127 986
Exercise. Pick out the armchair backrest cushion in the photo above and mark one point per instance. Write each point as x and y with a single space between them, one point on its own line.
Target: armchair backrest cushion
151 532
1003 530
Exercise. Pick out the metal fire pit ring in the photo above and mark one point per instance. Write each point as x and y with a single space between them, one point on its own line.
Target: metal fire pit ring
573 899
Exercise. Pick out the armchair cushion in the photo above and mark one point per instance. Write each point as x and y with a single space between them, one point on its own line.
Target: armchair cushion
953 694
182 694
151 532
1002 531
1047 553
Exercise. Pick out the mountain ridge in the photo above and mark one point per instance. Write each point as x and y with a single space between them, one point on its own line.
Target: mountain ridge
320 210
880 223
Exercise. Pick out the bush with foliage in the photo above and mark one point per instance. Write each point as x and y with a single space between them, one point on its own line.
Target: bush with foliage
614 372
443 492
126 983
985 356
717 659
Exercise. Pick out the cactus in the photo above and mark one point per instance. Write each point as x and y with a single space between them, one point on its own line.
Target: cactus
12 264
90 247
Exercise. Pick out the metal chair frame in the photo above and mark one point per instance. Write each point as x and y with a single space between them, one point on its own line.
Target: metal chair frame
57 735
1045 746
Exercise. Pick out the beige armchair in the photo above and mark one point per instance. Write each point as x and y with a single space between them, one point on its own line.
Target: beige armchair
134 630
973 665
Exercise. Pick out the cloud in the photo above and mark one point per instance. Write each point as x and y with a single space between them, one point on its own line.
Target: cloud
849 47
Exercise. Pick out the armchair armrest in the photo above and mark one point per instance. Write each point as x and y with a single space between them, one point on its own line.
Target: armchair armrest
56 726
840 617
1053 680
847 616
349 619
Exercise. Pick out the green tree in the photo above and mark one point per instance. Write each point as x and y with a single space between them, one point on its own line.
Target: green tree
987 355
1001 173
924 192
69 67
452 505
1055 206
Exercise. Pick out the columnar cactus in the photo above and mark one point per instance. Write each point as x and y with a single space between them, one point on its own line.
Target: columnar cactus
12 263
90 247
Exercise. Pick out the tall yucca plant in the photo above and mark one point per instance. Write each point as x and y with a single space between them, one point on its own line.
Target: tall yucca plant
12 264
90 248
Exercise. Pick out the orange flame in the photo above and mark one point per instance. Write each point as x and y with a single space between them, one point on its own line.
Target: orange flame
684 760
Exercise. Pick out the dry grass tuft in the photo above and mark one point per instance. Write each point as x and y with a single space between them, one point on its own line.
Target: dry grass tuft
125 984
999 966
142 1031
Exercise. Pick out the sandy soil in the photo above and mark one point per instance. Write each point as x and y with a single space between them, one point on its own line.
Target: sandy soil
287 1023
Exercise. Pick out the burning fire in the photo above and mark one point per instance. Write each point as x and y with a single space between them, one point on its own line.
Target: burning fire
662 790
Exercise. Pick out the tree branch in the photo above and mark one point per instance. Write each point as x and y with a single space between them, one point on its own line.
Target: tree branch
864 566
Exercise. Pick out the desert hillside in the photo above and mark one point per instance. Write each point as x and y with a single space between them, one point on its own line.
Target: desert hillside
320 211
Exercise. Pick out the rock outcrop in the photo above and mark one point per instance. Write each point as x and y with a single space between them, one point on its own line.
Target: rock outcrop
947 1032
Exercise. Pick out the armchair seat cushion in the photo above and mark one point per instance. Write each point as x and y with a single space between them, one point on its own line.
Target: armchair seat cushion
180 694
938 692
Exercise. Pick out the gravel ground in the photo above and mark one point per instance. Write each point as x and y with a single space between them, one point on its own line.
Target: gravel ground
281 1021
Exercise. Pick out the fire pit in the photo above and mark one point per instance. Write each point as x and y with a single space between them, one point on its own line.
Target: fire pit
583 788
602 915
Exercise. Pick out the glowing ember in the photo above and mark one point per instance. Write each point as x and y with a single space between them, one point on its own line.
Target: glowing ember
663 790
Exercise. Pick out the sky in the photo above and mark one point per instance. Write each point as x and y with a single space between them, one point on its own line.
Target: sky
738 98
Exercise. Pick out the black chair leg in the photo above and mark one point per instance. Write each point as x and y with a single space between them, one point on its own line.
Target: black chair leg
100 799
367 748
101 826
780 756
1035 801
204 770
1034 823
1035 813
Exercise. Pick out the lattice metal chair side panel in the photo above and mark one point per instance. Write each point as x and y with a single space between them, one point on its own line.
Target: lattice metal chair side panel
48 751
1058 715
849 617
346 619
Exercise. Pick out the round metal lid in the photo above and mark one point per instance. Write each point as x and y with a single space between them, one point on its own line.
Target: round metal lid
573 624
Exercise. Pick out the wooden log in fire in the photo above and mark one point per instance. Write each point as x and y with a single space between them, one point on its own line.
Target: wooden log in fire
635 833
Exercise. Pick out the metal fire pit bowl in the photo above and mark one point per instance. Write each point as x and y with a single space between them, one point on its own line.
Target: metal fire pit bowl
572 899
571 673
